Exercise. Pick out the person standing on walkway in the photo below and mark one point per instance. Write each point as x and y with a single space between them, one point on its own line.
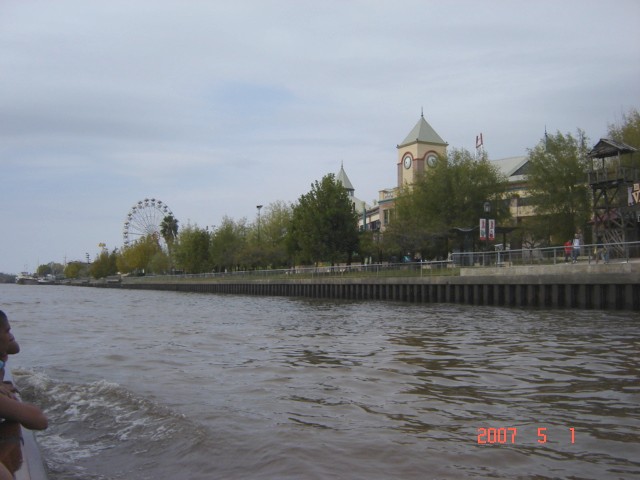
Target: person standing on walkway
576 247
600 251
567 250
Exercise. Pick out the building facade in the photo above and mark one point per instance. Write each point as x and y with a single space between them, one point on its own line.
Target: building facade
615 187
421 150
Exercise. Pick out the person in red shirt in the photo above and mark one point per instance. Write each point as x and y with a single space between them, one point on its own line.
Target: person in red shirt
567 250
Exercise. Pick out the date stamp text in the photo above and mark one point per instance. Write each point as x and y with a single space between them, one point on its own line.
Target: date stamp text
509 435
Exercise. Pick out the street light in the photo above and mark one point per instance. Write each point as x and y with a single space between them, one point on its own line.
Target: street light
487 226
259 207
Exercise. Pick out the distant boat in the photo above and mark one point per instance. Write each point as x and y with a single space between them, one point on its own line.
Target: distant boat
26 279
47 280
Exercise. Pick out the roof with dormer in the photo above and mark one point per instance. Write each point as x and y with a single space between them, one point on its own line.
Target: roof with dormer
423 133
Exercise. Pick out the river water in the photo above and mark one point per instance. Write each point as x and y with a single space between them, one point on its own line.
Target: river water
163 385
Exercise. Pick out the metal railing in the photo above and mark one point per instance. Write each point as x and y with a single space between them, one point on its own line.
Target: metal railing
586 254
408 269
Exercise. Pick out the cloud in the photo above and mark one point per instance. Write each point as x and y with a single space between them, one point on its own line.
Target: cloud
215 107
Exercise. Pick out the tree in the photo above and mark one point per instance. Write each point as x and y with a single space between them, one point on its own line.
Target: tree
105 264
370 246
269 248
324 224
159 263
75 270
228 245
169 230
191 250
558 186
137 257
628 131
43 270
452 195
51 268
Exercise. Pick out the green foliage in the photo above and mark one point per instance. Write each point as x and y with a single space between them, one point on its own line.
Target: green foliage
137 257
235 245
452 195
558 185
266 246
227 251
367 246
324 225
160 263
42 270
628 130
50 268
169 230
371 246
191 250
104 265
75 270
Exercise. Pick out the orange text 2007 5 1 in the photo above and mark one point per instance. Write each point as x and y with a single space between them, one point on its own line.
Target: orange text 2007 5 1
502 435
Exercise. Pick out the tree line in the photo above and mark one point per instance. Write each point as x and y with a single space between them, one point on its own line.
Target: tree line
322 226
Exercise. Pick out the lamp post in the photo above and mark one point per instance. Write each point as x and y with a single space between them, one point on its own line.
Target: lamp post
487 211
259 207
487 226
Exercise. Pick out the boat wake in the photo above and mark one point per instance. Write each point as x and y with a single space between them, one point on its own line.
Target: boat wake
93 426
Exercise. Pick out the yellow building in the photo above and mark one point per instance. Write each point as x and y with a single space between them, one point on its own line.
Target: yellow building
421 150
515 170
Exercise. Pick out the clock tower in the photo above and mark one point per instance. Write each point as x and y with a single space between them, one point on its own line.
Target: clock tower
420 152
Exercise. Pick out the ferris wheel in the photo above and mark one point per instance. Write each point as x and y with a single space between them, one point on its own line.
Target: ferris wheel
145 218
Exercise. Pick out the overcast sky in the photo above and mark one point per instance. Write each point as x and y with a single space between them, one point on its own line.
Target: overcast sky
215 107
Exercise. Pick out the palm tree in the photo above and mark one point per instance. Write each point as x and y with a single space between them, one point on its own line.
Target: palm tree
169 230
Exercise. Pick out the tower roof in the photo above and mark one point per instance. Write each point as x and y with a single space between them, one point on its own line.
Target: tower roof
358 204
344 180
424 133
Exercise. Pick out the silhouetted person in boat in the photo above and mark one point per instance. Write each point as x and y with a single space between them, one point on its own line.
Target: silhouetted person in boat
13 412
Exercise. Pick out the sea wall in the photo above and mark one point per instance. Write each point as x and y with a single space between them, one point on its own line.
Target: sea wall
610 288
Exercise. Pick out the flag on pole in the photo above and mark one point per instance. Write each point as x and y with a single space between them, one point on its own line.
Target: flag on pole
479 142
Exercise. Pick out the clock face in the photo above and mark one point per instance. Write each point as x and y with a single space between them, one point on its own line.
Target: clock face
407 161
432 159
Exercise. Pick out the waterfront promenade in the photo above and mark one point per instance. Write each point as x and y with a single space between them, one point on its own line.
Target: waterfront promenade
612 286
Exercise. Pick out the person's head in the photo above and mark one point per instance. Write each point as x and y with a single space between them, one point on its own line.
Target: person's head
8 344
